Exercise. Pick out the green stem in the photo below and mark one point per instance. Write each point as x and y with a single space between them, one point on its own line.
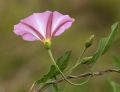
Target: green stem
78 61
81 55
53 61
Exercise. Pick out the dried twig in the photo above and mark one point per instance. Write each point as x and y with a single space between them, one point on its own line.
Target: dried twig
84 75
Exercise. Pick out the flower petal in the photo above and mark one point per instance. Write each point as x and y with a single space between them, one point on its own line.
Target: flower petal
38 21
29 37
63 28
60 23
21 29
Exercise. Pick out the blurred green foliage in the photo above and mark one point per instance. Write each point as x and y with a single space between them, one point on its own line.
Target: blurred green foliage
23 62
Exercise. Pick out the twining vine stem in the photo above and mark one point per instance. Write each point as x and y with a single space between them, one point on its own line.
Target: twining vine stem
54 62
78 77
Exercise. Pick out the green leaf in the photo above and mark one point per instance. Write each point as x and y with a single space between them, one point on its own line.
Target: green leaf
111 37
48 75
105 43
116 61
62 63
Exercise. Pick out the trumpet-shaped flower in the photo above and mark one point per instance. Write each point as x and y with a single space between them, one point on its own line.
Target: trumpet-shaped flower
43 26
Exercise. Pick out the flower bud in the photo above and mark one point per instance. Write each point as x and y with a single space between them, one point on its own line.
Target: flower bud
87 60
89 42
47 44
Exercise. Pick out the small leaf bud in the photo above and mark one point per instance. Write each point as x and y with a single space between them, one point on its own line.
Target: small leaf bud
89 42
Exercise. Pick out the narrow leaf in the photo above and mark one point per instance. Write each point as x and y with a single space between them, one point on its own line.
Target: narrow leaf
105 43
111 37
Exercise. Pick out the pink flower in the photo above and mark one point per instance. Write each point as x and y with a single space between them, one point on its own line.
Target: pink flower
43 26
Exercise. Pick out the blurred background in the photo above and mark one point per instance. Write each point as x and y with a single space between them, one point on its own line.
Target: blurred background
22 62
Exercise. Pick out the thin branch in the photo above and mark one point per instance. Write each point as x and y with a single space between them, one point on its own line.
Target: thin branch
84 75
